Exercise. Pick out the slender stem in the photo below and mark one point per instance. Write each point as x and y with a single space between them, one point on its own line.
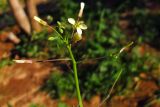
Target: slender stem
74 63
59 35
107 97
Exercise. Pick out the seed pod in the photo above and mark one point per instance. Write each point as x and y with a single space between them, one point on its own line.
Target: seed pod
77 37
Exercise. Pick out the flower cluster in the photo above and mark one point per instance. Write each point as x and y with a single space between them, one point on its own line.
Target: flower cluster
78 25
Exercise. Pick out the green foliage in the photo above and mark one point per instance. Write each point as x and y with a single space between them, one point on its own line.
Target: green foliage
36 105
69 8
5 19
61 83
4 62
42 46
148 32
3 5
108 39
60 104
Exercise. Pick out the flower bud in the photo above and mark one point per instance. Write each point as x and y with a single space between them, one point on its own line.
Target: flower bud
81 9
40 21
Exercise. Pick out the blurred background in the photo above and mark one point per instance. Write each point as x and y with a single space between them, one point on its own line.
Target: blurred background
112 24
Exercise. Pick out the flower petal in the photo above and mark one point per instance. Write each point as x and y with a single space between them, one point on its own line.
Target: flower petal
83 26
82 5
71 21
79 31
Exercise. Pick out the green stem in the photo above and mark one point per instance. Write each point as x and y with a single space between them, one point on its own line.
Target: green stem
74 63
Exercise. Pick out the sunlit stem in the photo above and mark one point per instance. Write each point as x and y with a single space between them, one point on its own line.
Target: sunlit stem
59 35
44 23
74 64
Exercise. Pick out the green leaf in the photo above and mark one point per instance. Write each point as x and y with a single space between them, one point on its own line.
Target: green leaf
52 38
61 30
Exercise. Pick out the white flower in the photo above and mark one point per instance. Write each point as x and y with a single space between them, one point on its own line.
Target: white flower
79 26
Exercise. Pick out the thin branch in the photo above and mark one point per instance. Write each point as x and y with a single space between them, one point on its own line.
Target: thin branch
48 60
107 97
68 59
54 60
91 59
